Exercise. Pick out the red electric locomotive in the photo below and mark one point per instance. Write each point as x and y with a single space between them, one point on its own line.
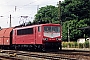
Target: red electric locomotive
36 37
42 37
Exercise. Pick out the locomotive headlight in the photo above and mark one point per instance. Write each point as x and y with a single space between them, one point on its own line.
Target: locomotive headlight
45 39
58 39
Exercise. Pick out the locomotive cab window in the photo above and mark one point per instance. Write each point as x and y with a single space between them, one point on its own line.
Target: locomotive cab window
25 31
39 29
55 29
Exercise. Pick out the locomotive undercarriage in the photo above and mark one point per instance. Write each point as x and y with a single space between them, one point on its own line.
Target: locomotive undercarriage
47 46
39 47
30 47
52 46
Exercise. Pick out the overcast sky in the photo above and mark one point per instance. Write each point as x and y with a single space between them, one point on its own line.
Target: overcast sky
18 8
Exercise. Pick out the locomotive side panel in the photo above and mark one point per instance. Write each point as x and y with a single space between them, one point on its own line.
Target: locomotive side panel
24 36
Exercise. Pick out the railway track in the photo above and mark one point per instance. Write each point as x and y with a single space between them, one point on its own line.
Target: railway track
62 55
47 56
6 57
73 52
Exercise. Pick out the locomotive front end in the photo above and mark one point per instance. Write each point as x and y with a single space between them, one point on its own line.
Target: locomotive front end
52 37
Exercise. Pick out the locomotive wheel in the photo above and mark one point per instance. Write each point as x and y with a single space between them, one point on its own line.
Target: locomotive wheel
60 48
43 50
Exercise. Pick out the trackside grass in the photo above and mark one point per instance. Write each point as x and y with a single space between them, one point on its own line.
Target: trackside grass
75 44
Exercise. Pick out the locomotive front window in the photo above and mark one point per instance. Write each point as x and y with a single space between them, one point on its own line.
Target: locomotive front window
47 28
55 29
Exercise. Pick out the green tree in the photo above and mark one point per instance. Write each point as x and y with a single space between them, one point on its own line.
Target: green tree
76 14
47 14
75 9
73 26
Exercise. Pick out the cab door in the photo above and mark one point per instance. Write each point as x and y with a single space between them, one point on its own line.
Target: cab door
38 35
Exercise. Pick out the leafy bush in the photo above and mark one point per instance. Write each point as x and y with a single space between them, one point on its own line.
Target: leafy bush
71 44
80 45
64 44
86 44
75 44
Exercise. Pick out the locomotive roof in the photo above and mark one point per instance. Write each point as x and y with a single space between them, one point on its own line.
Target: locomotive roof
35 25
